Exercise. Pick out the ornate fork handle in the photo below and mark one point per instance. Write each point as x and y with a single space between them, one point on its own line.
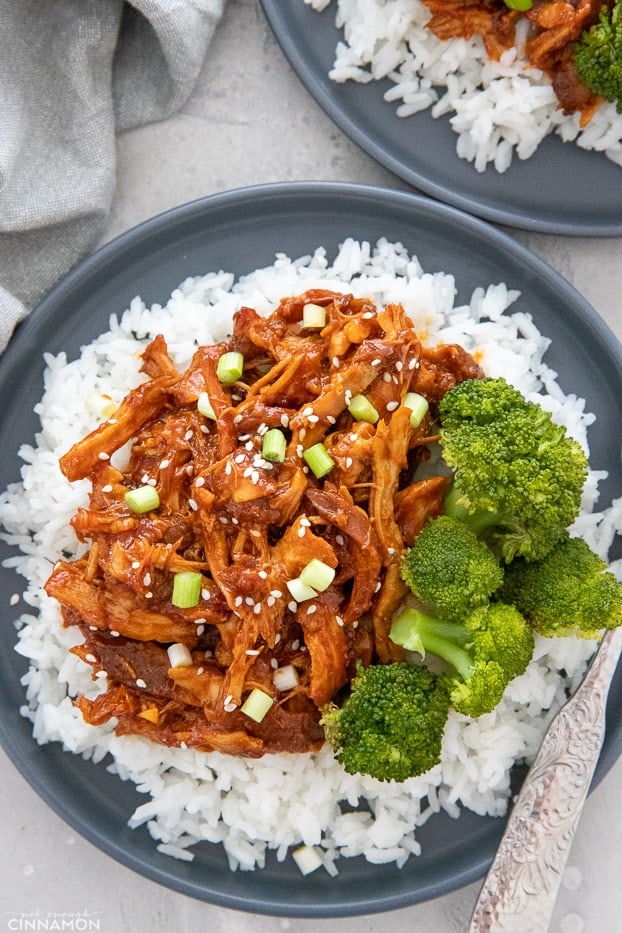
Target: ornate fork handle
520 889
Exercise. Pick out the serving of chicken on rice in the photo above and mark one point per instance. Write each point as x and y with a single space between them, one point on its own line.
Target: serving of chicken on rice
249 525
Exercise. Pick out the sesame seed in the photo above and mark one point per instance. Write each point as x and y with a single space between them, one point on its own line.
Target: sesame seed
147 579
247 472
292 606
114 633
302 532
148 595
307 411
299 450
412 364
270 601
237 419
200 480
257 608
386 377
391 406
228 468
234 520
340 540
252 652
230 707
274 663
200 670
255 477
305 521
302 434
188 435
335 361
277 638
376 362
240 458
228 698
311 609
164 464
249 445
205 594
249 601
390 550
354 437
223 519
238 601
347 396
262 428
276 593
285 420
378 586
14 599
313 419
103 455
140 682
262 574
349 462
243 437
200 629
339 621
152 482
296 644
399 366
90 658
204 429
107 488
331 419
367 315
355 624
193 505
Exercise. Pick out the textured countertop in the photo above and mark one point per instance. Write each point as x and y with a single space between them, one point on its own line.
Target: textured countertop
250 121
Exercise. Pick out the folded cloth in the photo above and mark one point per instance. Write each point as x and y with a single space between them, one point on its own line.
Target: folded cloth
73 73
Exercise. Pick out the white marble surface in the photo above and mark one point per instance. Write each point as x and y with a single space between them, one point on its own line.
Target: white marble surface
250 121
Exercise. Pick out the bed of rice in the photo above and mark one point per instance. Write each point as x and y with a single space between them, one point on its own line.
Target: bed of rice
282 801
498 109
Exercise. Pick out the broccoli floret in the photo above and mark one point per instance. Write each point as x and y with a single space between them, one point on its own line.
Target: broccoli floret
391 724
569 592
518 475
598 55
485 652
450 569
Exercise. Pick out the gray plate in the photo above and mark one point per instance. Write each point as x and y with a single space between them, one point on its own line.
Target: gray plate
560 189
239 231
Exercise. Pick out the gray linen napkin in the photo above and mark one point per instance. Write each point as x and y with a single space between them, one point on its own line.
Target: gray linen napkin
73 73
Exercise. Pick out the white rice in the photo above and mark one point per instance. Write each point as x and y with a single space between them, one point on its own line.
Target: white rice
499 109
282 801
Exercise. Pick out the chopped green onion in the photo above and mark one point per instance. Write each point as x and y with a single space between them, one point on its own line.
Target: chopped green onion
100 405
307 859
257 704
274 445
362 409
318 460
521 5
418 407
313 315
317 574
179 655
186 589
285 678
230 367
300 591
204 406
143 499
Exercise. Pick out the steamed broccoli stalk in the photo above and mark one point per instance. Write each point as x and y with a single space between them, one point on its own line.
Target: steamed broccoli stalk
493 645
450 569
598 55
391 724
518 475
569 592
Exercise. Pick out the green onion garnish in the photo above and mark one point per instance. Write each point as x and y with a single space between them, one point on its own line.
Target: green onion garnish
300 590
274 445
204 406
307 859
186 589
230 367
362 409
521 5
179 655
418 407
143 499
318 460
317 574
313 315
257 704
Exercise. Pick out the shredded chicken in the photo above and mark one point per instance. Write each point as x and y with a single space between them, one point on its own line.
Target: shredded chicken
553 27
249 526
